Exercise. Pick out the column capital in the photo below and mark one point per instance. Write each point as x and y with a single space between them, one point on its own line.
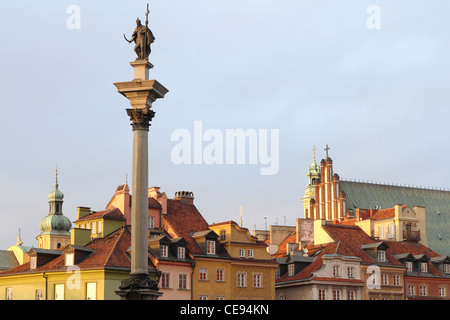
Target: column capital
140 118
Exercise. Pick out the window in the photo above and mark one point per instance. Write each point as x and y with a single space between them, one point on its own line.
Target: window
8 294
181 252
220 275
165 280
381 234
91 291
59 291
33 262
182 281
396 280
384 279
409 266
203 274
424 267
291 269
250 253
423 290
381 256
220 298
257 280
351 272
99 226
210 247
336 294
151 222
446 268
351 295
336 271
223 234
412 290
164 251
38 294
277 272
241 281
93 228
442 291
322 294
69 259
202 297
391 231
242 253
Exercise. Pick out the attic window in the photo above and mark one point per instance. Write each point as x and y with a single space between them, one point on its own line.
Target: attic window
446 268
424 267
381 256
69 259
181 252
210 247
33 262
164 251
409 266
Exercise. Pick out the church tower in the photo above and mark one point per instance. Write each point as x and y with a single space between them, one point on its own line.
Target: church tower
55 227
309 197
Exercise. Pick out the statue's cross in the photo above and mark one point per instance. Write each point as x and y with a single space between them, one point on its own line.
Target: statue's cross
326 150
146 16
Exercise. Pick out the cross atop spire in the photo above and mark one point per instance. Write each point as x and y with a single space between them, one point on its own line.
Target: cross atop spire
314 152
326 150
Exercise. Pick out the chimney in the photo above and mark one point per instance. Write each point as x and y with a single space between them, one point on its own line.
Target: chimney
82 212
185 197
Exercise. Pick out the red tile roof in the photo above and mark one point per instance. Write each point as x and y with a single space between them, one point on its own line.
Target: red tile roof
185 219
108 252
281 253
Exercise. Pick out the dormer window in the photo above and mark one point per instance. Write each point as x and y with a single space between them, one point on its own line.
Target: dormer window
69 259
381 256
210 247
291 269
164 251
446 267
33 262
409 266
181 252
424 267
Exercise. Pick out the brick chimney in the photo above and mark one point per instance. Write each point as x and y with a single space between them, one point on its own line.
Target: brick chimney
185 197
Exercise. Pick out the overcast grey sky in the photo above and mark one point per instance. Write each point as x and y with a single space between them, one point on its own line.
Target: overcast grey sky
311 69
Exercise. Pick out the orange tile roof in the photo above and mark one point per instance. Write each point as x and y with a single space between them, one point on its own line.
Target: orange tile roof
282 253
185 219
108 252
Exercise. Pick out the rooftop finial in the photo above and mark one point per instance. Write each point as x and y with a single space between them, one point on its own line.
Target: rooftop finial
19 239
326 150
314 152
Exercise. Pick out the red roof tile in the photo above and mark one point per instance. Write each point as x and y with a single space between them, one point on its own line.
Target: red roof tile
184 219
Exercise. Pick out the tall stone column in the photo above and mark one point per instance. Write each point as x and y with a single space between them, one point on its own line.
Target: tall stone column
142 93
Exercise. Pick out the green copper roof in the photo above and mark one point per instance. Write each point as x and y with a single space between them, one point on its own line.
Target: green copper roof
55 224
56 195
436 203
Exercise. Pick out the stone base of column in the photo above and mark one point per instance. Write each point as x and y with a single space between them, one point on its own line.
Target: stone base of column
139 287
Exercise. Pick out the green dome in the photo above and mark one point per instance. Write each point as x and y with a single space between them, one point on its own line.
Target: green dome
55 224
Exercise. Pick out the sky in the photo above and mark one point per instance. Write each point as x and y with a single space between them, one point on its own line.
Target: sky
368 78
